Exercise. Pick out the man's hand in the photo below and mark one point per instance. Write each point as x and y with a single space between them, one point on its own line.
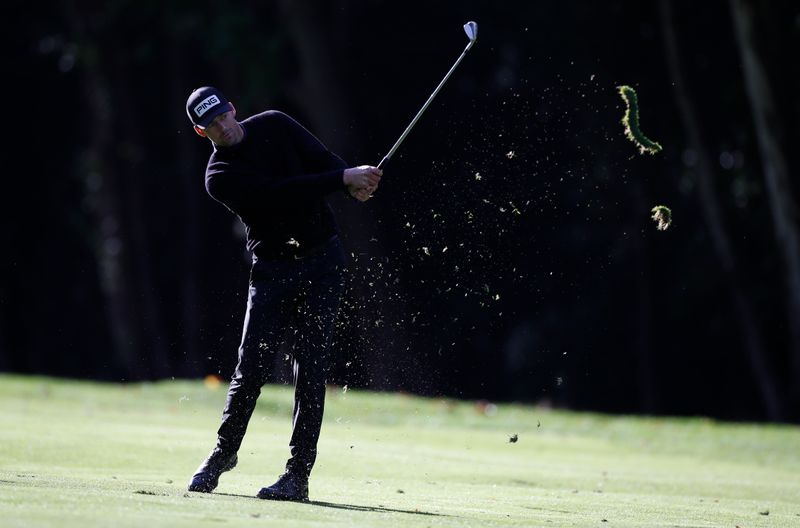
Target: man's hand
362 181
362 177
362 195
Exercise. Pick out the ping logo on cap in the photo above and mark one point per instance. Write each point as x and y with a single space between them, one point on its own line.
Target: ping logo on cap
205 105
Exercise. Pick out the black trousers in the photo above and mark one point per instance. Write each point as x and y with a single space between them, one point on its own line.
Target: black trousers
304 293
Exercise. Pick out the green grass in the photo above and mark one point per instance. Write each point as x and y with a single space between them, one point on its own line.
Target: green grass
88 454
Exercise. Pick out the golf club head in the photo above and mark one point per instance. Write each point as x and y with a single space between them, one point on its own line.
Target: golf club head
471 29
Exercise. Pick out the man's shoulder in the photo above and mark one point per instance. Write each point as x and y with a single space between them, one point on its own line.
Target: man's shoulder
268 116
270 124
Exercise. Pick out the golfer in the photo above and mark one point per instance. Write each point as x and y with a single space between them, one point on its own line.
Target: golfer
274 174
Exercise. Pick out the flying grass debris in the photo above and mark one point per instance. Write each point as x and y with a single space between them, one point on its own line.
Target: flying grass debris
510 154
631 122
513 438
663 215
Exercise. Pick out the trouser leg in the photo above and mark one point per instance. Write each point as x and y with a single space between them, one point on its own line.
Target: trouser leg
268 313
311 363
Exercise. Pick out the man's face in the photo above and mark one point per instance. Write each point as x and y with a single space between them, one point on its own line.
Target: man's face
224 130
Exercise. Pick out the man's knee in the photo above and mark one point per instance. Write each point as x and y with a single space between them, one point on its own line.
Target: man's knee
248 380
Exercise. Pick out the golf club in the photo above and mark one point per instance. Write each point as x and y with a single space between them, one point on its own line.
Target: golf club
471 29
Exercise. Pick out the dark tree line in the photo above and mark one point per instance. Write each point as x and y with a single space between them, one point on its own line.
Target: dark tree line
509 253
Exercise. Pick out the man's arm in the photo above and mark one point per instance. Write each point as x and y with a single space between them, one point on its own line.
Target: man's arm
312 151
361 181
241 191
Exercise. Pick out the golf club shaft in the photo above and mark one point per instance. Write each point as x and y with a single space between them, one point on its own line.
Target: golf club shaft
428 102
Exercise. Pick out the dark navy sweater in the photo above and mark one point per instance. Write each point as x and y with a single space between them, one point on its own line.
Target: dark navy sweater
276 180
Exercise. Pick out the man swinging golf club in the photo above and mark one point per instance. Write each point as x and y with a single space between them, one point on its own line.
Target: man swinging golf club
274 174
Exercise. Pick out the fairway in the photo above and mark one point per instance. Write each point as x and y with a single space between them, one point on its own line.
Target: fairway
88 454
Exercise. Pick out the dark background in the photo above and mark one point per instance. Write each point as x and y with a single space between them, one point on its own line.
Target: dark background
555 285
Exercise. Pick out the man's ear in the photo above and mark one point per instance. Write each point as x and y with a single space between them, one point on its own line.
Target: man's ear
200 131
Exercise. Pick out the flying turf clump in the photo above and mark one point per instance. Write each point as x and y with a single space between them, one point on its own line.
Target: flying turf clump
631 122
663 215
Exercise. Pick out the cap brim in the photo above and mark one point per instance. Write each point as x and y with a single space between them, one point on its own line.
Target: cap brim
214 112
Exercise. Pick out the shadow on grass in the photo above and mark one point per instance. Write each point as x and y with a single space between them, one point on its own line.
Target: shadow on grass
351 507
355 507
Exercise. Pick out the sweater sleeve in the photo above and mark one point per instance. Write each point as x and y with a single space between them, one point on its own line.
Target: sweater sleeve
241 191
310 148
314 150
